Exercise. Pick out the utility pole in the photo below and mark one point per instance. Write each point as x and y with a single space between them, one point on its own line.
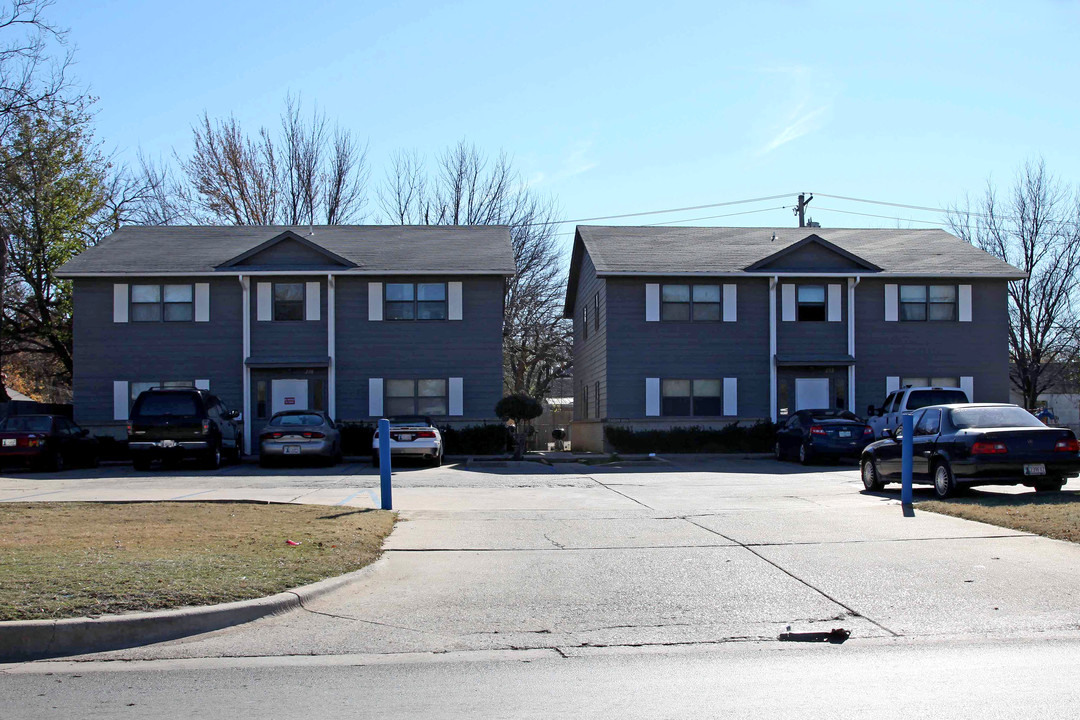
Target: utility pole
800 209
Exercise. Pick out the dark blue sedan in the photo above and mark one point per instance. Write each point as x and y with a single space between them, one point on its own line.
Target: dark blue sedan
810 434
976 444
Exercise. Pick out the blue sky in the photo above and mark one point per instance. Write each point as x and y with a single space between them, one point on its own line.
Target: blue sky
622 107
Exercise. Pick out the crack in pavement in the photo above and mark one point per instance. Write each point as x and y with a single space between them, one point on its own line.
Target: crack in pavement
608 487
560 547
793 576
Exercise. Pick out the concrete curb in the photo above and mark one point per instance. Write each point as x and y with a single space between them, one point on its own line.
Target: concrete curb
23 640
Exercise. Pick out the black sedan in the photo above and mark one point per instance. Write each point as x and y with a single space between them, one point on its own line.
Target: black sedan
810 434
976 444
46 442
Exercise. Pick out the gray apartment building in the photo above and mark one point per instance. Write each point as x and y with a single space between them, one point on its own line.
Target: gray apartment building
707 326
360 321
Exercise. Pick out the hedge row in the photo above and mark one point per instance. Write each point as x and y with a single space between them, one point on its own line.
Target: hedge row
356 439
733 438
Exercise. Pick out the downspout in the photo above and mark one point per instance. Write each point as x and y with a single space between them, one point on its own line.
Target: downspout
852 283
772 347
245 285
331 348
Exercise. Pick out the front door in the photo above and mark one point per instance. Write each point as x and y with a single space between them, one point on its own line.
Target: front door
288 395
811 394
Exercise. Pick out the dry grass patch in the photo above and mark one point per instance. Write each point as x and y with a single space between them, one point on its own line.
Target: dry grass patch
1055 515
75 559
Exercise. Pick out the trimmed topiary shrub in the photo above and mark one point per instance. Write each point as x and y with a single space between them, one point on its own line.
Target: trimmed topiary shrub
733 438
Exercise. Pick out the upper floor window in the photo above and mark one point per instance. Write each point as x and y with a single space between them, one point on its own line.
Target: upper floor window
700 303
942 381
585 322
810 305
154 303
596 311
288 301
415 301
928 302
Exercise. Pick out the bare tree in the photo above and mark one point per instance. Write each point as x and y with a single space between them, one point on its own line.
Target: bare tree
308 174
467 188
1037 229
31 77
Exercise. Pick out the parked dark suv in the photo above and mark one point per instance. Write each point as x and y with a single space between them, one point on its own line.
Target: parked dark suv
176 423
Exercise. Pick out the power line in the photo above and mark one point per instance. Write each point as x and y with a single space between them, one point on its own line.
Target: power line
885 217
661 212
713 217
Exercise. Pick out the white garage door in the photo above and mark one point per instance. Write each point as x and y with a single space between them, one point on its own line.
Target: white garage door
288 395
811 393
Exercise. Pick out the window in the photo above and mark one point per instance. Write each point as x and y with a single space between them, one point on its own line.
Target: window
930 423
154 303
708 398
585 322
138 387
288 301
810 306
950 382
596 311
260 399
416 397
700 303
597 389
415 301
691 397
928 302
584 401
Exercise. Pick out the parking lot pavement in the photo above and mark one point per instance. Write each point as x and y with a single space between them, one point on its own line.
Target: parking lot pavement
692 552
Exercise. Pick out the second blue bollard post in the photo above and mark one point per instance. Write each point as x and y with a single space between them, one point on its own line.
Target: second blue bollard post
907 450
387 500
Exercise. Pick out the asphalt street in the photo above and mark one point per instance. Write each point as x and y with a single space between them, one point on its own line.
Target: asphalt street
666 582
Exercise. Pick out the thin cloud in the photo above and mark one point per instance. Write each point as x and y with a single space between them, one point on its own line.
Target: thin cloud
802 124
806 108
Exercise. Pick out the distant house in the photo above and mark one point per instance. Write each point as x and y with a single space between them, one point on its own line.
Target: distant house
1061 398
360 321
708 326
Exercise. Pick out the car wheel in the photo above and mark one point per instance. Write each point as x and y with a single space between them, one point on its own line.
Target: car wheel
871 479
437 460
779 453
1049 486
237 452
141 463
56 463
944 480
213 457
804 454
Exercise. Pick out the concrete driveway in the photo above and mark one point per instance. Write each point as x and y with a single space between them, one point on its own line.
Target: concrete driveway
506 556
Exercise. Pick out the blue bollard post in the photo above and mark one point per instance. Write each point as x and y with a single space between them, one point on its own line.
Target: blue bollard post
384 464
908 450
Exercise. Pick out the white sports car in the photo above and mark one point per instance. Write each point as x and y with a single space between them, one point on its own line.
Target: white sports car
412 436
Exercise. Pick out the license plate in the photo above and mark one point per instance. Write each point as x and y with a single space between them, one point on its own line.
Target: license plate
845 433
9 442
168 443
404 438
1035 469
292 450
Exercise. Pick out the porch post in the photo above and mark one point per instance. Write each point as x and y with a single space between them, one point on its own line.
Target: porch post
331 349
245 284
772 347
851 283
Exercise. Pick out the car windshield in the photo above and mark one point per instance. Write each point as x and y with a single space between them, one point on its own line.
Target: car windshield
994 417
304 420
833 415
923 398
409 421
27 423
166 404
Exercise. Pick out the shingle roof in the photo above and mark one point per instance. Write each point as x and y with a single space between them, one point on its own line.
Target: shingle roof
446 249
729 250
658 250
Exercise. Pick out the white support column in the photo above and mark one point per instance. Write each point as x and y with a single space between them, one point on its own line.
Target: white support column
852 283
331 349
245 285
772 347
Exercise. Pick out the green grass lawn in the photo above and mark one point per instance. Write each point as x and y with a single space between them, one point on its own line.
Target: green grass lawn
62 560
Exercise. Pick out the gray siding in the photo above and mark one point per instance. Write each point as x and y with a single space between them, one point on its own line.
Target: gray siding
978 348
811 338
638 349
812 257
470 348
304 338
153 351
590 355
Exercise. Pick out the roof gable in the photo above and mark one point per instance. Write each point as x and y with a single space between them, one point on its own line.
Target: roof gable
813 254
290 250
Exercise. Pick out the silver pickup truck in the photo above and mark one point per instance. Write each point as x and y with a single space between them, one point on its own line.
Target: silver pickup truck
908 399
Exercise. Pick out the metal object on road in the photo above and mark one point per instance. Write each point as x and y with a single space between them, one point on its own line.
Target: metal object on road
907 453
384 464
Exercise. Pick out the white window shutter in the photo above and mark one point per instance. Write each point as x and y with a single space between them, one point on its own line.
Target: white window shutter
374 308
834 303
892 382
964 309
120 399
264 300
120 307
731 396
375 392
730 302
202 384
313 301
652 302
967 384
787 302
202 302
453 302
892 303
652 397
457 396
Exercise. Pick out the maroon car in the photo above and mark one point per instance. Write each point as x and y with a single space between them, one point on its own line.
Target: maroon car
45 442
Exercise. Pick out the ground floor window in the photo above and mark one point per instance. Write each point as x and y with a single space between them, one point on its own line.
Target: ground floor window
139 387
922 381
417 397
691 397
